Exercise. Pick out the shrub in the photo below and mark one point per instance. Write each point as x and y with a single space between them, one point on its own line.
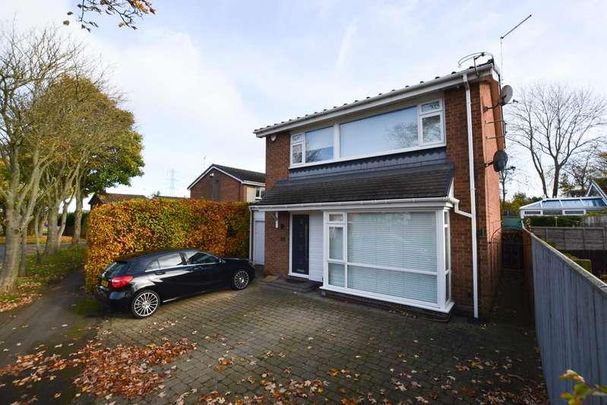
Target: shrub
569 221
586 264
220 228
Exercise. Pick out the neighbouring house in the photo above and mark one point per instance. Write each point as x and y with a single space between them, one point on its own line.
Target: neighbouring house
594 200
105 198
223 183
376 198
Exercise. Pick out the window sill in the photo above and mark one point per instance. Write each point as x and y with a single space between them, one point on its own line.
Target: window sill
387 298
393 152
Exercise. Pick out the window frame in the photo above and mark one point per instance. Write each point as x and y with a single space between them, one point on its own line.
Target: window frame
299 137
259 191
443 273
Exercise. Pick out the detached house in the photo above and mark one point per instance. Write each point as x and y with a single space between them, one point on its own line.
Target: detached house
393 197
223 183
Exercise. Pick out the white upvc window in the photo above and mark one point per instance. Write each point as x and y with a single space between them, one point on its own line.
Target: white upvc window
396 256
411 128
259 192
312 146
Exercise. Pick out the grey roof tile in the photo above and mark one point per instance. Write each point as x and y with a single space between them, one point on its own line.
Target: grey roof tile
395 183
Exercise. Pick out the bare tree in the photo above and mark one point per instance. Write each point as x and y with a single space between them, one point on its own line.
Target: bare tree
125 10
578 175
506 177
555 124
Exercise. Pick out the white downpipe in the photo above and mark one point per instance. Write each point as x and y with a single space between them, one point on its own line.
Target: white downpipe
472 196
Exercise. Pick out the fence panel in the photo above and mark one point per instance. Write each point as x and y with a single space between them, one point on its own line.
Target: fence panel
570 319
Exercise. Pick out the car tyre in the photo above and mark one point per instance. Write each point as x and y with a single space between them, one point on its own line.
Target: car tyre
145 303
240 279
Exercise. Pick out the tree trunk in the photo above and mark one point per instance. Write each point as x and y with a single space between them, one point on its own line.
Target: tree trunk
38 227
10 264
61 227
555 185
77 216
23 258
53 228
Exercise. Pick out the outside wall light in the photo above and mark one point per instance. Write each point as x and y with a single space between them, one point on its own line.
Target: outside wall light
275 215
273 137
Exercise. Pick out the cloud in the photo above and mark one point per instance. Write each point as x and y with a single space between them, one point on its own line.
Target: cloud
345 46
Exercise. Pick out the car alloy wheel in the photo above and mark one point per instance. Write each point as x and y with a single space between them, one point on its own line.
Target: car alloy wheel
145 304
241 279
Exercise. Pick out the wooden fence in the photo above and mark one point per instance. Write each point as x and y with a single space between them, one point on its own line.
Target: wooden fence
567 238
595 221
570 319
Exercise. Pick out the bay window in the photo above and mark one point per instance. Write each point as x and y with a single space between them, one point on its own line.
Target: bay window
410 128
397 256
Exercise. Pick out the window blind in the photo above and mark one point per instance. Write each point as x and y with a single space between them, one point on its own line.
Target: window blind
400 240
420 287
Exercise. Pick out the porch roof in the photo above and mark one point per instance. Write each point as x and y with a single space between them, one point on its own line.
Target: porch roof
407 182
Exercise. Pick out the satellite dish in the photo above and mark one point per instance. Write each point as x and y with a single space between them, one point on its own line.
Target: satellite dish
500 160
506 94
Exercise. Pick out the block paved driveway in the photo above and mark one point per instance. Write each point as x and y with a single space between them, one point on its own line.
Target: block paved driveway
272 344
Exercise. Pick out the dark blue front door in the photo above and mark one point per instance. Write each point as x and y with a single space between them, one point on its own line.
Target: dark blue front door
299 252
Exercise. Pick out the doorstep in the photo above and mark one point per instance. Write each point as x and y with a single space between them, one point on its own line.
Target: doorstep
291 284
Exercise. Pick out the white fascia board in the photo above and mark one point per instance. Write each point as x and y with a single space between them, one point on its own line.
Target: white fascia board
381 100
419 203
253 183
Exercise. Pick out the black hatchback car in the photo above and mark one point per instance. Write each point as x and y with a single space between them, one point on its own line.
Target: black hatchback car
142 282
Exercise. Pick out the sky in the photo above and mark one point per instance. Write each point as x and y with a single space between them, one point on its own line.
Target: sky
200 76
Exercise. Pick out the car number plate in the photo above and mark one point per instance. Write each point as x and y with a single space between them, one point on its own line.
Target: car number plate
104 283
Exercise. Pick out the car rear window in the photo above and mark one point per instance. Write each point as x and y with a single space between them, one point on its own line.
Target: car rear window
116 269
170 260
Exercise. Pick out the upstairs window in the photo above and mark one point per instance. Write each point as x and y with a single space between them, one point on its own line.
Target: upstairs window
410 128
312 146
391 131
259 192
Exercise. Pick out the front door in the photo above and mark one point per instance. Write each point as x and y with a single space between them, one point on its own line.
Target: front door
300 239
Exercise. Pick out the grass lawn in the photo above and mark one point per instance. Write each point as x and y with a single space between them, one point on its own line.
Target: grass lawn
32 239
41 273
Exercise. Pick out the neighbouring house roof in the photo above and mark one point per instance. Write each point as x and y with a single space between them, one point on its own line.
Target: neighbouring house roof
168 197
395 183
423 87
558 206
242 175
105 198
598 187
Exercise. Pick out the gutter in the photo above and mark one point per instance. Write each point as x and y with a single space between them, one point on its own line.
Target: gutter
286 207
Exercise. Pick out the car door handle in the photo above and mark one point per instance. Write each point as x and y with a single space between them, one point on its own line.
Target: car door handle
159 272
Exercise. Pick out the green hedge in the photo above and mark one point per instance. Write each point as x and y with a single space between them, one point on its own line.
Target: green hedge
586 264
570 221
221 228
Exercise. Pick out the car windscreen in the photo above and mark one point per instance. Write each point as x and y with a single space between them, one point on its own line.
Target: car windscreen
116 269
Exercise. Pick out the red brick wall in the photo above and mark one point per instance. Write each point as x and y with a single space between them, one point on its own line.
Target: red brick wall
487 196
229 189
277 240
